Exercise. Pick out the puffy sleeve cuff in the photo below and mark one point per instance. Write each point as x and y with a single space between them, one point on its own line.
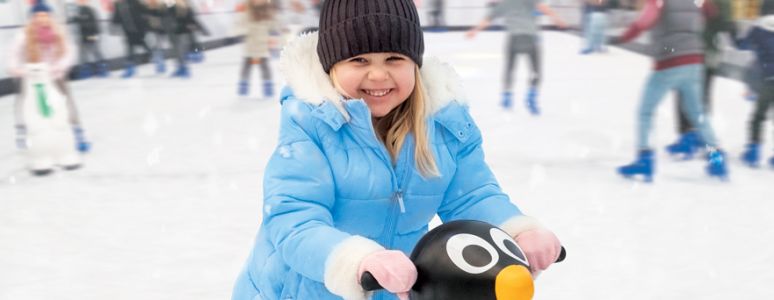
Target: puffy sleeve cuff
342 265
518 224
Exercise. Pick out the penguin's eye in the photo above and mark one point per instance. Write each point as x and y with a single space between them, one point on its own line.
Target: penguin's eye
507 245
471 254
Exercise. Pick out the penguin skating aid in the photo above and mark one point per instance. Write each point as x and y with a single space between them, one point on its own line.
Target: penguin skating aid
468 260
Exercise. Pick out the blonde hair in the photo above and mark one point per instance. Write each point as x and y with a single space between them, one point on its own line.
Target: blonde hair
32 50
408 117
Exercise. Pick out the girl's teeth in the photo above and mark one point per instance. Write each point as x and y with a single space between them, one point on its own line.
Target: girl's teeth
377 93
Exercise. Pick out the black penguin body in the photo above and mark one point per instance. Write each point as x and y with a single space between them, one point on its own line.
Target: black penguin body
470 260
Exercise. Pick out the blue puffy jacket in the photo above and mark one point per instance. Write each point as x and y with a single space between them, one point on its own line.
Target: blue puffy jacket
332 195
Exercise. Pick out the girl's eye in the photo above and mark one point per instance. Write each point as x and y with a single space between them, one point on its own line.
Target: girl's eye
394 58
358 60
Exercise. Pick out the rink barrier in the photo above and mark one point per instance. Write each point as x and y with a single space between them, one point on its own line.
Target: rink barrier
733 70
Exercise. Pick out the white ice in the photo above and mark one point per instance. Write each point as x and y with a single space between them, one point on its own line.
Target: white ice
169 200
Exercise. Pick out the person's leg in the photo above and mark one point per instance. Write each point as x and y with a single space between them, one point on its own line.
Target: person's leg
657 86
768 97
158 52
588 34
600 32
83 69
691 87
533 53
268 85
510 64
535 63
690 84
751 155
129 52
762 106
244 78
180 50
100 63
655 89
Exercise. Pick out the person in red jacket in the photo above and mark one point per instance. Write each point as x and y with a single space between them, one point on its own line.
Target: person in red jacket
676 28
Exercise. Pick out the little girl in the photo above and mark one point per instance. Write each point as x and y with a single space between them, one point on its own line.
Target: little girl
374 142
41 56
258 22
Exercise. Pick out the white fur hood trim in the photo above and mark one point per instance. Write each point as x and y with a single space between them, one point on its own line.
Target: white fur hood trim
766 22
304 74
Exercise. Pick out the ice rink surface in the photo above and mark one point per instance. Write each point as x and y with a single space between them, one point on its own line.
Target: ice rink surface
169 200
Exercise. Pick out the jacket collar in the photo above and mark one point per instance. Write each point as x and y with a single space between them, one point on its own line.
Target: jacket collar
309 83
766 22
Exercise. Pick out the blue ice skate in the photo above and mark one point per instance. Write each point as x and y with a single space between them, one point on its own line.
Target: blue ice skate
182 72
716 166
686 146
102 70
642 166
507 100
84 71
244 88
161 67
81 144
532 101
751 156
129 72
268 89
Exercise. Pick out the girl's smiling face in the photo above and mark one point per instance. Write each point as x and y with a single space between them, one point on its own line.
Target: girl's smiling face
384 80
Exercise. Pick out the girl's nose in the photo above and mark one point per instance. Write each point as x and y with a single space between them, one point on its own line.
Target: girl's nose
377 73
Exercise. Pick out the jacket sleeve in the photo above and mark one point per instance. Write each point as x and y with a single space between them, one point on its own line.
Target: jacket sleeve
650 14
473 192
298 198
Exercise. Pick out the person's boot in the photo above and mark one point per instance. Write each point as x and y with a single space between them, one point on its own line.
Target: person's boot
751 155
685 146
102 70
642 166
129 71
84 71
716 164
532 101
182 72
244 88
507 100
268 89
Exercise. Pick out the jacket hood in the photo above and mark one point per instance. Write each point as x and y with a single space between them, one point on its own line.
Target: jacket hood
303 72
766 23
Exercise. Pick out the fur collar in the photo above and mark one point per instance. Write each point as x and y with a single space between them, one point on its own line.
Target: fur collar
304 74
766 22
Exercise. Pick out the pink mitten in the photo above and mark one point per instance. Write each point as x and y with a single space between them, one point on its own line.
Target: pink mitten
392 269
541 247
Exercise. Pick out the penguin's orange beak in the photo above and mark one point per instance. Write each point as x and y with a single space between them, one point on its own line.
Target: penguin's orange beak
514 282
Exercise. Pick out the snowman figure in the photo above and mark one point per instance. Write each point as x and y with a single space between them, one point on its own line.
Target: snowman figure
50 140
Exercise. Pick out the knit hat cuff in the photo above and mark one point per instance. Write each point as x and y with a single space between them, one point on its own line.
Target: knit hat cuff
376 32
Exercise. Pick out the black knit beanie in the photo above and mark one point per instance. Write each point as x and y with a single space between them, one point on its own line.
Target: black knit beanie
352 27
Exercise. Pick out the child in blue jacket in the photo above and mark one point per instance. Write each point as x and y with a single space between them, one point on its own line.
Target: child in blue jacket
374 142
761 40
